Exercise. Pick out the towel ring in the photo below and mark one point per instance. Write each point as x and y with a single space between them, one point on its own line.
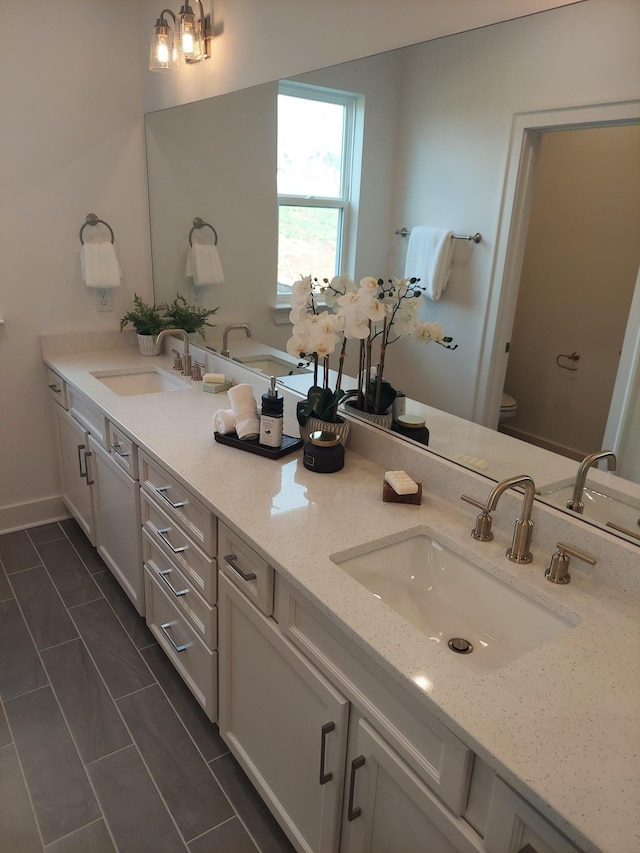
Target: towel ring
92 219
200 223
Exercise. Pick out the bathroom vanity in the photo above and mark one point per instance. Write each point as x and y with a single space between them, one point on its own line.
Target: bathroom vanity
356 726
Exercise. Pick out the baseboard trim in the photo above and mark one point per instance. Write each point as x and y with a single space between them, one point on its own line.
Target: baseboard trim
32 514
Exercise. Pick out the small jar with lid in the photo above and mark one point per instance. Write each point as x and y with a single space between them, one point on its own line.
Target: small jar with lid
323 452
413 427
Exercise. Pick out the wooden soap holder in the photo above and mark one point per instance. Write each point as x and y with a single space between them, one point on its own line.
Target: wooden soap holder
391 496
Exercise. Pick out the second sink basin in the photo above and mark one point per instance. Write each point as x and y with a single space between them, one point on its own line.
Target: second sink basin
448 598
601 506
272 365
128 383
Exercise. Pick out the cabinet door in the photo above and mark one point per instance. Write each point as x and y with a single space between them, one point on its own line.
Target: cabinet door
283 721
118 524
388 809
75 471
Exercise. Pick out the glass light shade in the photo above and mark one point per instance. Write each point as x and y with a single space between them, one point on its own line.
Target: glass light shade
163 55
191 42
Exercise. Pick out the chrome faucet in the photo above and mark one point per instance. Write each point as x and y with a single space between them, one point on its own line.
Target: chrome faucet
519 551
186 358
576 503
225 336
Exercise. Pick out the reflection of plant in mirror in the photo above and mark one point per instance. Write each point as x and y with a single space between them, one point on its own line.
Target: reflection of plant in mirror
189 318
146 319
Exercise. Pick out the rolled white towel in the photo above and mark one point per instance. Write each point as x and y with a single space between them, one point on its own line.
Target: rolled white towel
224 421
245 410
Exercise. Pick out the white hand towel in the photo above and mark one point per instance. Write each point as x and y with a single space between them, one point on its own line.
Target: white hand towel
224 421
429 256
203 265
245 410
99 265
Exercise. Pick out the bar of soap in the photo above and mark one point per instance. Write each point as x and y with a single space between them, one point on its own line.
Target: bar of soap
214 378
401 482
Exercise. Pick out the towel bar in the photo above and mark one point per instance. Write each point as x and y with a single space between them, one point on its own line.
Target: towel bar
92 219
474 238
200 223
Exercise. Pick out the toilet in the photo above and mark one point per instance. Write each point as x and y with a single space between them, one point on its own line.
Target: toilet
508 407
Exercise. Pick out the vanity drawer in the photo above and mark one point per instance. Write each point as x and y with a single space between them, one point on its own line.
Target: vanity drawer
246 569
122 449
202 616
179 503
197 664
57 388
198 568
440 759
86 414
513 826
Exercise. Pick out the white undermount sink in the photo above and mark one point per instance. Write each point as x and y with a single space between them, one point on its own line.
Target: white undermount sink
600 505
449 598
271 365
128 383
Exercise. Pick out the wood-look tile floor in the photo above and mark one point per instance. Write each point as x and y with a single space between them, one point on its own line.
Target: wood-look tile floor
102 746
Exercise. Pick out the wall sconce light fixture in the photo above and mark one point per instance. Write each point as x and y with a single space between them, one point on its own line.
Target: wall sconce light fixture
183 39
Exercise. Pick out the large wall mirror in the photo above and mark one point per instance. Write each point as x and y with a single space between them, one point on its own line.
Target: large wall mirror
527 132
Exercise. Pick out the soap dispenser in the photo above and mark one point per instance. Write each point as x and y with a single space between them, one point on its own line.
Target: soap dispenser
271 417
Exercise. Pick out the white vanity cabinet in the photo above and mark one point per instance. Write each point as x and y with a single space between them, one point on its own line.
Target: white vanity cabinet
75 471
178 545
320 757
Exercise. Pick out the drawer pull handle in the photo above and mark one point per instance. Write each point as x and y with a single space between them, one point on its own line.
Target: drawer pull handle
162 533
161 492
55 389
165 629
246 576
326 729
356 811
86 455
116 449
177 592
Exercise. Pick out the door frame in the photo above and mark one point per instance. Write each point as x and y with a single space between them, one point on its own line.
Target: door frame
522 162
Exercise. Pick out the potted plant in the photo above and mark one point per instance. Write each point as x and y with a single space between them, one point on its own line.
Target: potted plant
180 315
148 321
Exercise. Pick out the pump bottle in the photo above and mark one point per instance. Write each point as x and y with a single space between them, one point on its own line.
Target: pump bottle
271 417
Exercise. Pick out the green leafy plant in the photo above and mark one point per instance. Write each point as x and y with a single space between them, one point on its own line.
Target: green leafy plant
321 403
180 315
146 319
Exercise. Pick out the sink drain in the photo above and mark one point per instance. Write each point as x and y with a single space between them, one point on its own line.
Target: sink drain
460 646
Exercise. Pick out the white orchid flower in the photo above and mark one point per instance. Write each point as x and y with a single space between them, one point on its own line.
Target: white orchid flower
428 331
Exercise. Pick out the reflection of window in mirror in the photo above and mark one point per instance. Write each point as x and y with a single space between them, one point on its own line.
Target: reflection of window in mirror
318 168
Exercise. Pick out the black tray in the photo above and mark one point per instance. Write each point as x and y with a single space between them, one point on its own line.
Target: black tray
252 445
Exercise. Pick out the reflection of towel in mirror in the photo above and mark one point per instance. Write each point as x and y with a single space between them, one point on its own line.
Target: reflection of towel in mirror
245 410
203 265
429 256
99 265
224 421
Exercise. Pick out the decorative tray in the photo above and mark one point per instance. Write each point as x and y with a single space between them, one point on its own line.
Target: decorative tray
252 445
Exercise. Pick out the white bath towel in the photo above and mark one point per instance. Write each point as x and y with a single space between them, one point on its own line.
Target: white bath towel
99 265
224 421
203 265
429 256
245 410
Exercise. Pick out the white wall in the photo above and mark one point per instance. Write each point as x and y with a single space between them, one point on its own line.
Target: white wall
72 143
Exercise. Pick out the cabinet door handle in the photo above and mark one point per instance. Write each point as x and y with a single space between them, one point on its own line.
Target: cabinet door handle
82 473
55 389
86 455
116 449
326 729
162 533
165 629
246 576
356 811
160 490
163 575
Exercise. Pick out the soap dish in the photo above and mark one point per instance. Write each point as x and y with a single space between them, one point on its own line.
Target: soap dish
389 495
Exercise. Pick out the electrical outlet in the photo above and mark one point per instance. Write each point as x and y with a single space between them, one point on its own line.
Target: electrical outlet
195 295
103 299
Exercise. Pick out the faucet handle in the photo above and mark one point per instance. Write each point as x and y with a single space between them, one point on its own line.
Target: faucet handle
558 571
482 530
196 371
177 360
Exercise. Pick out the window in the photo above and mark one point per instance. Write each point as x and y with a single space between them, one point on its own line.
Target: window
315 182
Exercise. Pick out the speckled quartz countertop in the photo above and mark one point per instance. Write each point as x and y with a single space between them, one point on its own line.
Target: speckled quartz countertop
560 723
